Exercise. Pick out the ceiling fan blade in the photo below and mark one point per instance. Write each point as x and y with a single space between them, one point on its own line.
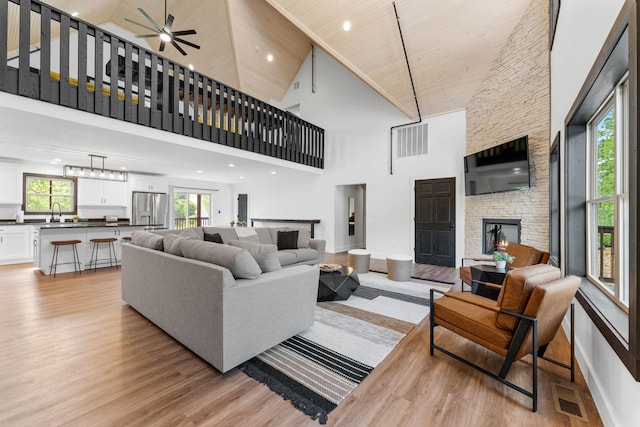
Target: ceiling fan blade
146 15
183 32
168 24
162 45
188 43
139 24
146 36
181 50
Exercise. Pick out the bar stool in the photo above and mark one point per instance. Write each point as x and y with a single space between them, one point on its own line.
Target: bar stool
74 250
112 252
399 267
127 239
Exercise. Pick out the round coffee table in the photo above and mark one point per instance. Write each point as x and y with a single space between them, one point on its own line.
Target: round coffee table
337 285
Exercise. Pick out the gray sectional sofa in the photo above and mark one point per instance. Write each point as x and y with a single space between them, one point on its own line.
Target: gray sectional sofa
226 302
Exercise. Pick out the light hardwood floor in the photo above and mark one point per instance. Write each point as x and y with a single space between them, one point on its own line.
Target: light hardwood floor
74 354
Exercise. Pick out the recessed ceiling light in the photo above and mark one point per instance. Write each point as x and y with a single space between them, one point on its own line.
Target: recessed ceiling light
273 172
231 165
56 160
199 171
74 14
124 168
270 58
346 26
191 67
242 177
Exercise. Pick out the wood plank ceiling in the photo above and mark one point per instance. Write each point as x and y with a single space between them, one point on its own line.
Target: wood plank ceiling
451 45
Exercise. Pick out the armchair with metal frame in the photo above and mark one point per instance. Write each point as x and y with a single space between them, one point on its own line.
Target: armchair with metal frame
524 320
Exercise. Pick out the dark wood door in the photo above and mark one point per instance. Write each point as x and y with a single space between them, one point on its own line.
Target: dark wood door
242 207
435 222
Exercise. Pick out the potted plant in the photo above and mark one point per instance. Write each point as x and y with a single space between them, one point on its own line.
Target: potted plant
502 258
232 223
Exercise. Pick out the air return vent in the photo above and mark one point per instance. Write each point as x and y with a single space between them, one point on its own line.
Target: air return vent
412 140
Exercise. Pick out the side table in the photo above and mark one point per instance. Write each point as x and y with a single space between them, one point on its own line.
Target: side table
337 285
486 273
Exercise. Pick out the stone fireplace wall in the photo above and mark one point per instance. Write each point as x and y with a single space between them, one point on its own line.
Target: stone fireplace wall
514 101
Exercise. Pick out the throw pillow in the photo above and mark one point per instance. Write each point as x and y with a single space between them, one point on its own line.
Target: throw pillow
215 238
265 255
171 243
239 262
191 233
147 240
304 237
287 240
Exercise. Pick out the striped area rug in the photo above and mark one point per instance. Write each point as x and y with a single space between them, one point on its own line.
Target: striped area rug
318 368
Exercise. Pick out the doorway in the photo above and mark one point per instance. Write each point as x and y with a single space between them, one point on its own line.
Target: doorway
435 221
243 202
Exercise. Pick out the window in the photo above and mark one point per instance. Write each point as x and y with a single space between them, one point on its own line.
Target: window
43 193
608 197
191 209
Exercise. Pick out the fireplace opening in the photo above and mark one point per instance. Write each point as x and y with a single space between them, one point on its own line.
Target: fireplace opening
497 230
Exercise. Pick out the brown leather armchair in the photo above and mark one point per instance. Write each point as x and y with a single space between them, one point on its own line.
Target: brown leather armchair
524 255
524 320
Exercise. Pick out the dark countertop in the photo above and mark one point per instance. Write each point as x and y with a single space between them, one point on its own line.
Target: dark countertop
43 225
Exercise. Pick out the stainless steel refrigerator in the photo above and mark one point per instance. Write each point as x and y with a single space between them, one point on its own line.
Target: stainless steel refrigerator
151 209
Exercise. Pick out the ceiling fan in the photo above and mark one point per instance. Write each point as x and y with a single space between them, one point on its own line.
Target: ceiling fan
165 34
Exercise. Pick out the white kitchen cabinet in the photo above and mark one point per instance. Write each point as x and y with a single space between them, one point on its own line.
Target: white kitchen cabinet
15 244
155 184
92 192
10 190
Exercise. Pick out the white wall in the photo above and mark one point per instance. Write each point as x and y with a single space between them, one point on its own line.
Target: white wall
357 122
583 26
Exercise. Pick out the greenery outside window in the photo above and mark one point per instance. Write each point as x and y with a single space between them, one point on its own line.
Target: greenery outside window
608 197
191 209
44 192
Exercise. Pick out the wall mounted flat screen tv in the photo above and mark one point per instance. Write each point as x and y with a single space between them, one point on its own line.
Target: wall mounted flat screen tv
504 167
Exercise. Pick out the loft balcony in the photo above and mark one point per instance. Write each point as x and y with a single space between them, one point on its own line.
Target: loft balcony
79 66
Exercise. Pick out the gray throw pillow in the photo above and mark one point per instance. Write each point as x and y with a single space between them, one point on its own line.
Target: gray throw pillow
172 242
192 233
265 255
304 236
237 260
147 240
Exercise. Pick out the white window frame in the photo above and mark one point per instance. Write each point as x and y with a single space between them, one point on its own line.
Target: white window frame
620 100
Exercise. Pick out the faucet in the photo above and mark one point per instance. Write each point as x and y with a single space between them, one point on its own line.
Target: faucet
59 210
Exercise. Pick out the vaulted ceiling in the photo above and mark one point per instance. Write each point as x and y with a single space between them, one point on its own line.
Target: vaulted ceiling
451 45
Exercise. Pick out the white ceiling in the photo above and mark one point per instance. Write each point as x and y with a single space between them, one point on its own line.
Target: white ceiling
451 47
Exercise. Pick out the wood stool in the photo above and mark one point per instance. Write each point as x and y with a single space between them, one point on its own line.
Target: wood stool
127 239
76 259
112 252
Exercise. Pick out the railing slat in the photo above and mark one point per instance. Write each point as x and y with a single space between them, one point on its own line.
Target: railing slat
65 89
82 66
45 55
98 99
128 82
23 46
142 86
164 108
186 103
113 85
4 18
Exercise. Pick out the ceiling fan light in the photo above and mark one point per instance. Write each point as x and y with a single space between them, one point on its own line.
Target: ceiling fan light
165 37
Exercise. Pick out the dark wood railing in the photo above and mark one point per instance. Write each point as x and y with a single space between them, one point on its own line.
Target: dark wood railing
104 77
182 223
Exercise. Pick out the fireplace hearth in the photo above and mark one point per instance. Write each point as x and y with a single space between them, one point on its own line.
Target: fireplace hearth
497 230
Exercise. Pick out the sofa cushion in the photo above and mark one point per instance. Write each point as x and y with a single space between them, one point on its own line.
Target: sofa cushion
265 255
215 238
287 258
264 235
227 233
147 240
247 234
287 240
304 237
237 260
303 254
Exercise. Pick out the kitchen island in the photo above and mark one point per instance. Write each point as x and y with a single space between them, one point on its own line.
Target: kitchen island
45 233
